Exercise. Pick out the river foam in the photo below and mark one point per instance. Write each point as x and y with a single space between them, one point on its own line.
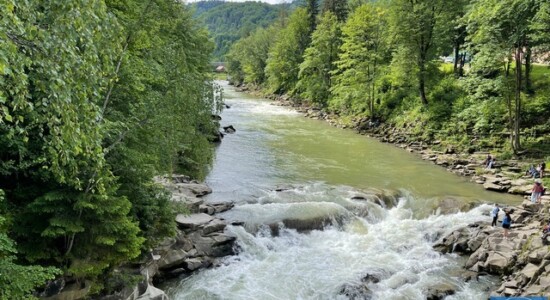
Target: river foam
390 245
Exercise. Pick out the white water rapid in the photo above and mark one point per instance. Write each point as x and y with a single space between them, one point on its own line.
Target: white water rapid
388 244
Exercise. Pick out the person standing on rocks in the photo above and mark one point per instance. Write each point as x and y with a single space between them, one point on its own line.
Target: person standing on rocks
506 223
489 161
494 214
536 191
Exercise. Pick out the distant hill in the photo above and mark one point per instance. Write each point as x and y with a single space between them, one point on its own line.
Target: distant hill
229 21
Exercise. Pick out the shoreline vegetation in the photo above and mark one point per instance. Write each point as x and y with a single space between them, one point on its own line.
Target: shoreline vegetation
96 99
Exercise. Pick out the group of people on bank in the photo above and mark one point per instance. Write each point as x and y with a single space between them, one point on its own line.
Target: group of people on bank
536 172
536 193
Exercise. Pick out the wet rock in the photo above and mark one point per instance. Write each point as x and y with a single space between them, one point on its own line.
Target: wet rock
53 287
309 224
193 264
361 290
440 291
229 129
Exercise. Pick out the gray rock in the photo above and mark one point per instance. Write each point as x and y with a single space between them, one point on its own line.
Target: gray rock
215 225
207 209
192 264
529 271
499 262
494 187
173 258
193 221
153 293
192 189
440 291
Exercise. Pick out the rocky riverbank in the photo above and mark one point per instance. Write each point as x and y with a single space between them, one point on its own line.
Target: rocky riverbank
199 242
522 261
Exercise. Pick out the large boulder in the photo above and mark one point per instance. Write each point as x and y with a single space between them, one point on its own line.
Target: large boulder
499 262
490 186
172 258
193 221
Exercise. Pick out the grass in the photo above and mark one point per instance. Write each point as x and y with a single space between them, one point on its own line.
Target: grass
540 75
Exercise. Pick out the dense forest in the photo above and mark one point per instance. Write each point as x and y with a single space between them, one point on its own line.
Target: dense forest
96 98
382 61
229 21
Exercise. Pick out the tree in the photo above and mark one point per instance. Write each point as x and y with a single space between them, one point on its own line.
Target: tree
312 9
249 55
364 52
286 54
18 281
456 11
338 7
496 30
315 71
417 25
96 98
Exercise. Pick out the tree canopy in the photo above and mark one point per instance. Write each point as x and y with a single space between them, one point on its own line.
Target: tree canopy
389 66
97 98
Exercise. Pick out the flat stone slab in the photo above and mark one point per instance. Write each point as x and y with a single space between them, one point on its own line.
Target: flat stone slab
193 221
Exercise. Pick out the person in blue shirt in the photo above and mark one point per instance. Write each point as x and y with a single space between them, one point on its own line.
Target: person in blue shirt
494 214
506 223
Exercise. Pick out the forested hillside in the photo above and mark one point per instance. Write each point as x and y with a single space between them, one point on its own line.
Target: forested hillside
380 61
230 21
96 98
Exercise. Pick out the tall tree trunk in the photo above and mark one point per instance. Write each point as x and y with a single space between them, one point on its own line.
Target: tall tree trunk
515 134
528 68
457 58
422 78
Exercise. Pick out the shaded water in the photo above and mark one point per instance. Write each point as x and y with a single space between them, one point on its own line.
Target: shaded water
322 168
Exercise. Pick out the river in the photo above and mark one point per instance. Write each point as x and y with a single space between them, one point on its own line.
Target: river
318 169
